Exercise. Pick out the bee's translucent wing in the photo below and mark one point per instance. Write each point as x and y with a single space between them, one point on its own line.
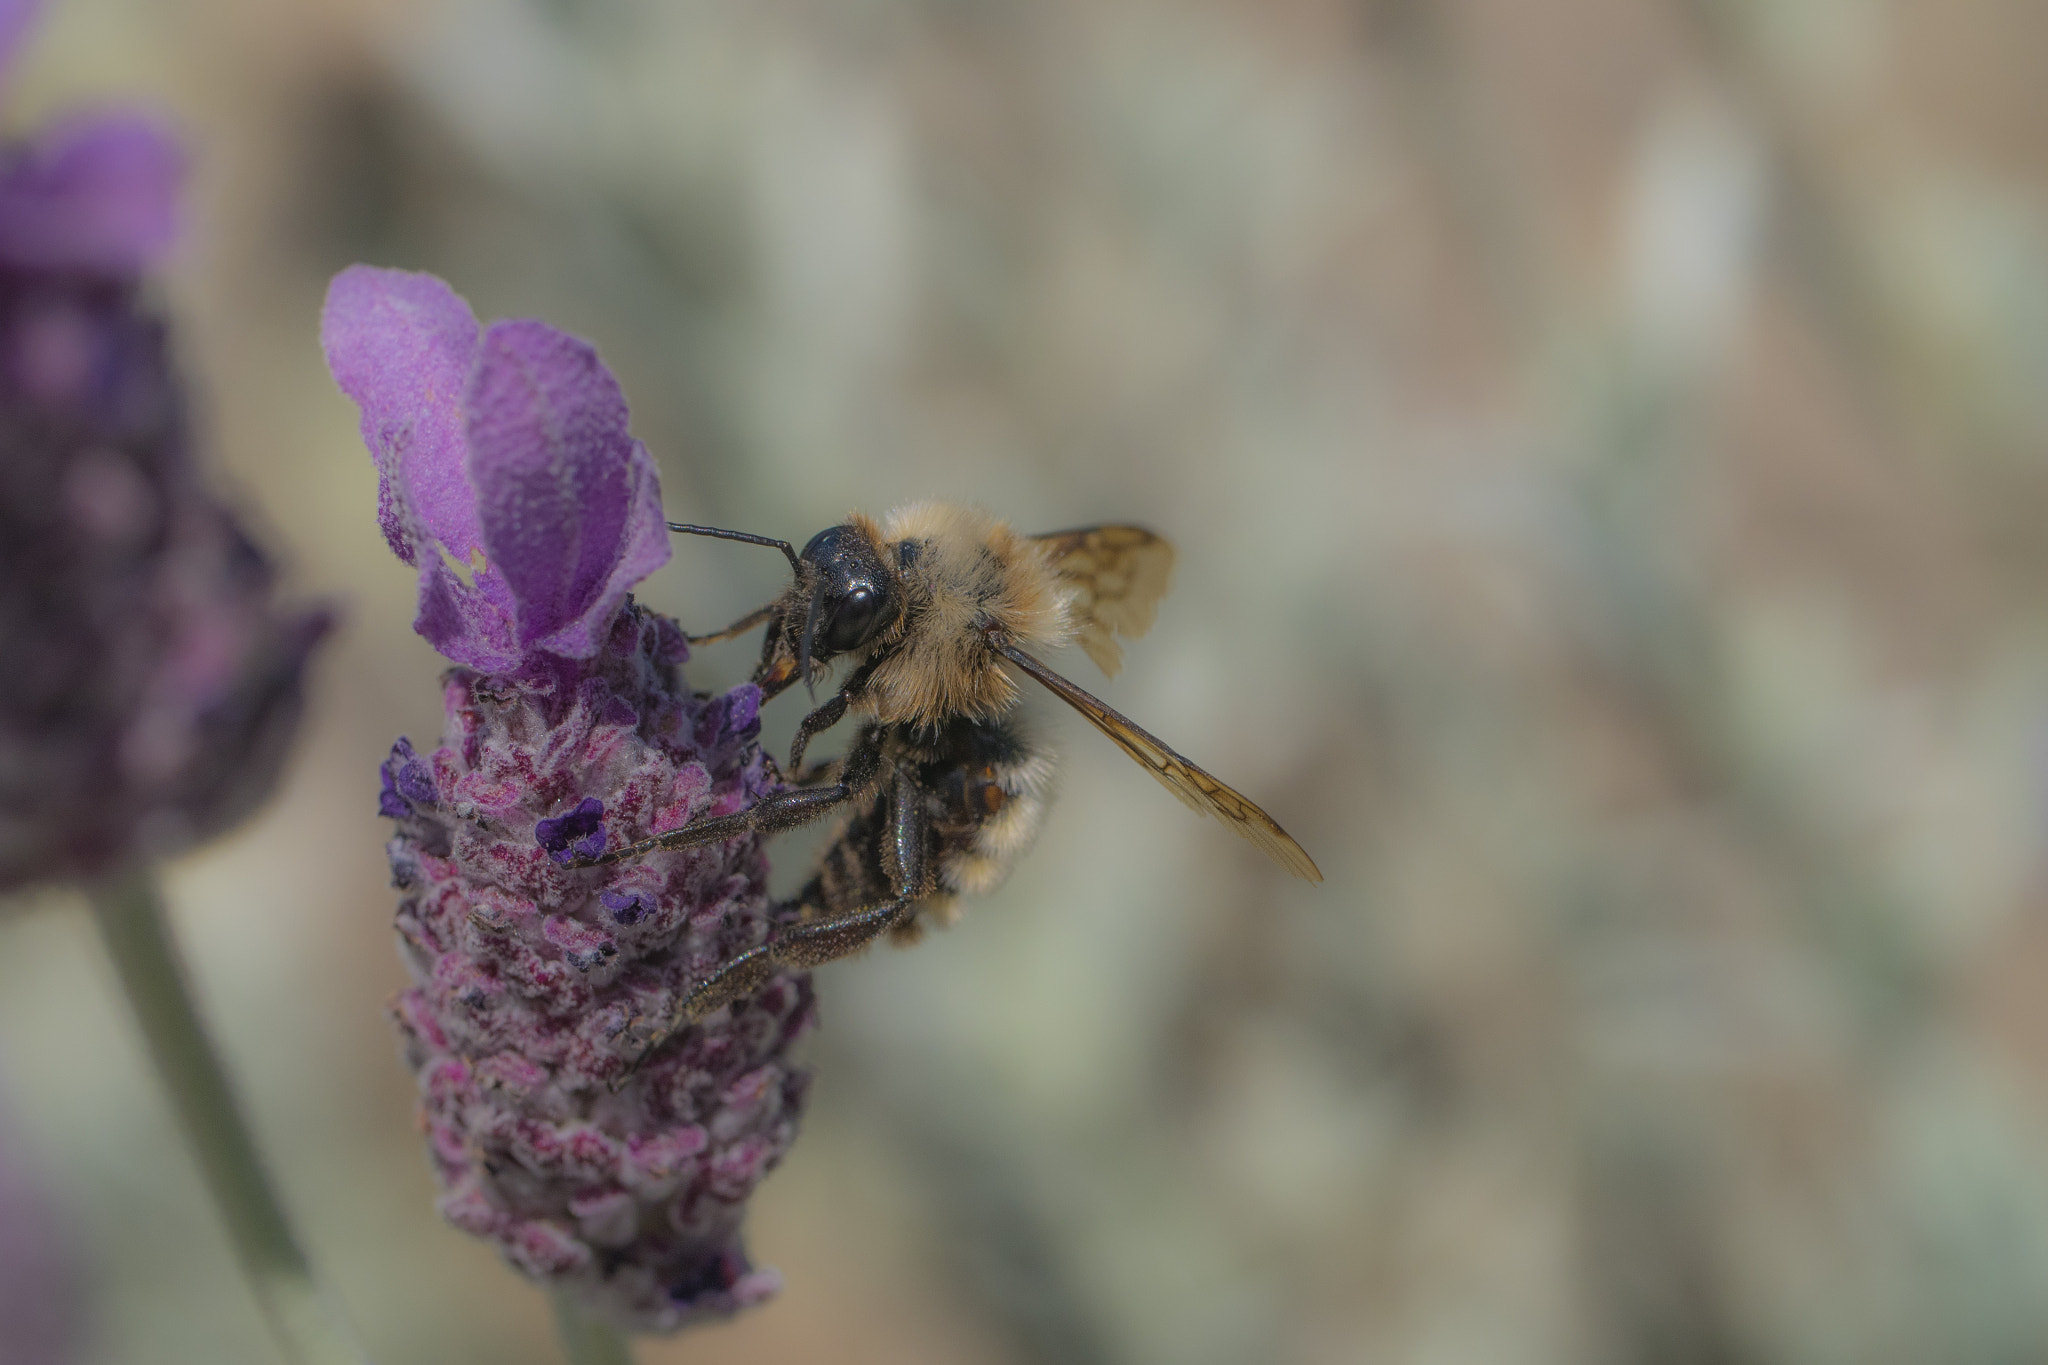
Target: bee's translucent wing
1118 574
1198 789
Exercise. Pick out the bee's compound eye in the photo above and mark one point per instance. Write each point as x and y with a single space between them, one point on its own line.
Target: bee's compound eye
854 617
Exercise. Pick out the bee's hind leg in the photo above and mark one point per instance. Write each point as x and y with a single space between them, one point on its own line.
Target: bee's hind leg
803 945
810 944
814 942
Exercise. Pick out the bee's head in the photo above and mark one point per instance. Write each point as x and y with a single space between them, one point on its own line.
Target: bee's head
850 595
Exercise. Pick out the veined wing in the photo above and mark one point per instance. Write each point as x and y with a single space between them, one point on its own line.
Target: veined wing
1118 574
1200 790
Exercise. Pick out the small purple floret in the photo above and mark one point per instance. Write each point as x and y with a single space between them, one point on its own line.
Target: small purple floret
390 804
626 906
743 712
408 782
579 834
735 717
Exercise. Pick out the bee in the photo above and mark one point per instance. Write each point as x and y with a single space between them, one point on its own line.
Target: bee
941 789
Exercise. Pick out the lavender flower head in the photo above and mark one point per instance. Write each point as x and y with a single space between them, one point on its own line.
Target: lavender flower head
508 478
151 681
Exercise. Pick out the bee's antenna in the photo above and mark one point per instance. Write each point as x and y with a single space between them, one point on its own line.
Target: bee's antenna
803 650
788 550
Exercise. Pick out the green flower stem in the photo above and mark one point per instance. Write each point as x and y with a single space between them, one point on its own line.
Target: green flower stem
585 1340
306 1323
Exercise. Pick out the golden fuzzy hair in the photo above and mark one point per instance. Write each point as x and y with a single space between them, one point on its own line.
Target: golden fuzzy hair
970 569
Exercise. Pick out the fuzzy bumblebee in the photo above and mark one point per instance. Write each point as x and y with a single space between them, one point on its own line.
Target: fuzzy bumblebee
940 788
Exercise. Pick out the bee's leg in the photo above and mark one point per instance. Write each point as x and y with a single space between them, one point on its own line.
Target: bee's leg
830 714
802 945
777 669
815 942
824 718
813 775
737 628
770 815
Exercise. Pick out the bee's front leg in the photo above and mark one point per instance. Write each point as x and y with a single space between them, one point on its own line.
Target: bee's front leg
736 629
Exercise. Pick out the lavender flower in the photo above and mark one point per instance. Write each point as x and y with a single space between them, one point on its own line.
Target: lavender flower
151 682
509 479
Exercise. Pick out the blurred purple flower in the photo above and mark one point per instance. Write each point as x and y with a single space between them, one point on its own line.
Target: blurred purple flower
151 681
15 17
95 193
537 985
41 1299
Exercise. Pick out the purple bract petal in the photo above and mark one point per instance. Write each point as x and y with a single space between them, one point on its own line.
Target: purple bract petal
506 472
97 193
570 502
470 624
403 345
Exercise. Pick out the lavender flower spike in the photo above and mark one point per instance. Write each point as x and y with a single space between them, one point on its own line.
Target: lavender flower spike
509 480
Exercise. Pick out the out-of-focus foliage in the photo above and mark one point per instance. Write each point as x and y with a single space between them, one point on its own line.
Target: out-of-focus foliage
1605 441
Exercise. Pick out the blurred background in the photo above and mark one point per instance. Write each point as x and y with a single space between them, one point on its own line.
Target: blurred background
1607 442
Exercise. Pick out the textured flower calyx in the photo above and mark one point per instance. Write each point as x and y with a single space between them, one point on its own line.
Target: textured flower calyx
151 679
537 985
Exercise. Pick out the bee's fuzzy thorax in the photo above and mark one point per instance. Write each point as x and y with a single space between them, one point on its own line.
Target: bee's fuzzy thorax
969 569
